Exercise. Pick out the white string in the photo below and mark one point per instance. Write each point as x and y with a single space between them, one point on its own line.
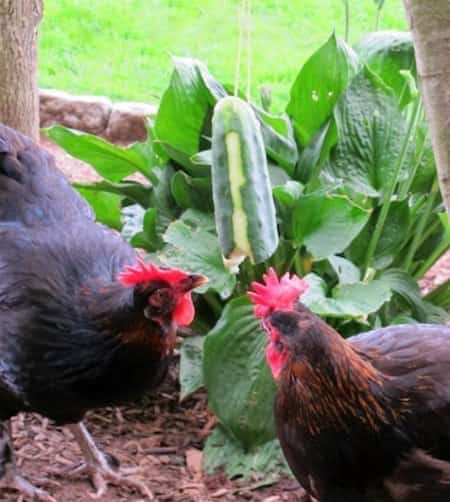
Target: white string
237 76
249 48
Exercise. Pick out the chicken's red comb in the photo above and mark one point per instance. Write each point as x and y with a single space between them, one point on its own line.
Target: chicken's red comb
276 294
147 272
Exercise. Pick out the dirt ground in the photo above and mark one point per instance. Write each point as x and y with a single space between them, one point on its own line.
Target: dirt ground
160 436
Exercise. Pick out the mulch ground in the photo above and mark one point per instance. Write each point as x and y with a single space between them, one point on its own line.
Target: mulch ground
160 436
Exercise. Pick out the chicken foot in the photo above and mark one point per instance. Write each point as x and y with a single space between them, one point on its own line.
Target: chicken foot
9 475
101 467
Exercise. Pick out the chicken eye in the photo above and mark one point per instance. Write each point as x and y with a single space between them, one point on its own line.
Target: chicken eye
159 298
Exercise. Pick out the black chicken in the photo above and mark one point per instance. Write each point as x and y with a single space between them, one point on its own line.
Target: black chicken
365 419
83 323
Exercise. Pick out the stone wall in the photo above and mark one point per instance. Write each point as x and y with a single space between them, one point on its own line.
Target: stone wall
119 122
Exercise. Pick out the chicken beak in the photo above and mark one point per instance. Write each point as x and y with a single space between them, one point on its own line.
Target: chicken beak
193 281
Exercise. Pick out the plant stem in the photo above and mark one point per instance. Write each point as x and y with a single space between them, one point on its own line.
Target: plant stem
438 252
347 19
391 188
291 261
407 184
440 295
429 231
277 259
298 265
420 228
213 303
377 19
150 176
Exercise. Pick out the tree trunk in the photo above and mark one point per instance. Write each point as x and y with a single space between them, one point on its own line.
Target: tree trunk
429 22
19 92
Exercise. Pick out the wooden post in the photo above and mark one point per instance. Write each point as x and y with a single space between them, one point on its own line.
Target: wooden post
19 92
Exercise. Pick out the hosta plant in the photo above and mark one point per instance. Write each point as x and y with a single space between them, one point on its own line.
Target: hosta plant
351 203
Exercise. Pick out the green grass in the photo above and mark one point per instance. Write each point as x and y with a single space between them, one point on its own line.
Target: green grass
122 48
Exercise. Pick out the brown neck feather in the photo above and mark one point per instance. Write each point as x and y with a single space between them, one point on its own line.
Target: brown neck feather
333 385
116 311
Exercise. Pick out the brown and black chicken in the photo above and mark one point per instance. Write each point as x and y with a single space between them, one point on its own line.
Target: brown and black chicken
366 419
83 323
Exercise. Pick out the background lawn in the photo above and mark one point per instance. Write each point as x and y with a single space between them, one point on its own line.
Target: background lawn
122 48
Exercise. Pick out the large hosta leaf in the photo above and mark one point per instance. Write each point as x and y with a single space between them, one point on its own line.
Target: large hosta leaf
319 85
224 452
346 271
112 162
240 387
136 192
356 300
316 152
195 193
395 231
191 357
106 206
184 110
162 198
192 245
387 53
371 131
326 224
407 288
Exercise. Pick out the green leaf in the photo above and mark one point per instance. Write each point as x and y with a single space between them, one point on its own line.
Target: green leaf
371 131
346 271
223 452
440 296
285 197
162 198
191 192
278 176
185 107
326 224
435 314
316 152
348 301
203 158
193 246
288 193
191 360
148 238
395 231
265 94
388 53
424 158
110 161
106 206
319 85
402 319
240 388
278 136
407 288
137 192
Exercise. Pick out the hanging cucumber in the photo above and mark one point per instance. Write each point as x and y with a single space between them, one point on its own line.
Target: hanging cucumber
242 193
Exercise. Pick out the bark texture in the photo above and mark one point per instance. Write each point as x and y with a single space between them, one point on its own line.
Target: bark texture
429 22
19 94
